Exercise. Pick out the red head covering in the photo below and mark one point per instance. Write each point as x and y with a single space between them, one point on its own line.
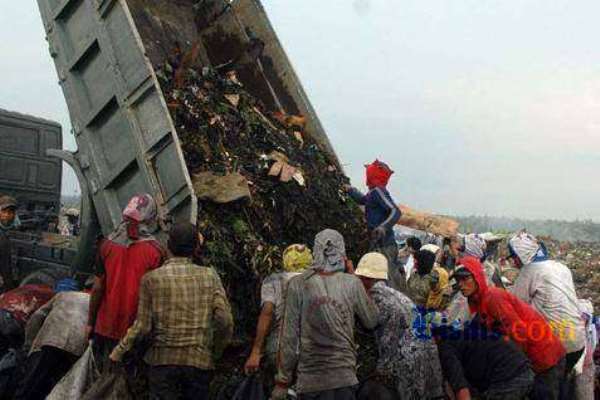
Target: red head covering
473 265
378 174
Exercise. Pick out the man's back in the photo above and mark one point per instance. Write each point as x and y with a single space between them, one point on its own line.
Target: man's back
123 267
187 303
321 308
548 287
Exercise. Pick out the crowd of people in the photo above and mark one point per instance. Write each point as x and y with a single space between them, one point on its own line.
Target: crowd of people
445 323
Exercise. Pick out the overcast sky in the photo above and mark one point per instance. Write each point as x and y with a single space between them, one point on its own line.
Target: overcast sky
481 107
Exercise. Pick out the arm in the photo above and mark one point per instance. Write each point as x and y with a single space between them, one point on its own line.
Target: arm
521 287
510 322
394 213
222 318
364 307
451 363
142 325
357 195
289 336
98 291
262 330
36 321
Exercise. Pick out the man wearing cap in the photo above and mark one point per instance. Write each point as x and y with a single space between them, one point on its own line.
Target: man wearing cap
502 311
404 359
295 260
8 220
548 286
185 313
382 215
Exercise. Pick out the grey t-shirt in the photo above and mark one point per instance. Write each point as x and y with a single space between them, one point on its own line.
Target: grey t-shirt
317 333
273 291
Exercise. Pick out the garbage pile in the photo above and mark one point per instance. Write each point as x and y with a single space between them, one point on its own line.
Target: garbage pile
262 182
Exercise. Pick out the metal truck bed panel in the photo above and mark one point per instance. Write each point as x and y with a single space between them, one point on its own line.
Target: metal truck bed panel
126 140
25 171
106 52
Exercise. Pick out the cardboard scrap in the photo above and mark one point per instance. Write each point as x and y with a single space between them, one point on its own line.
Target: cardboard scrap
220 189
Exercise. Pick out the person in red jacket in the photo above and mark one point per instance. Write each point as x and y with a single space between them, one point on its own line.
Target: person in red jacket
501 310
123 259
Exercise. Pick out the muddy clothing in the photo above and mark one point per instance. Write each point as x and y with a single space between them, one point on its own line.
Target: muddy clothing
178 382
272 291
548 286
60 323
183 308
402 355
431 290
6 261
318 330
123 267
43 370
476 358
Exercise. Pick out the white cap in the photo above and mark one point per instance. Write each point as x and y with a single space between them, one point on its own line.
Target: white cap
431 247
373 265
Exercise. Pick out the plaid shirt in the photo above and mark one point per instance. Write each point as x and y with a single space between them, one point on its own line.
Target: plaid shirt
184 309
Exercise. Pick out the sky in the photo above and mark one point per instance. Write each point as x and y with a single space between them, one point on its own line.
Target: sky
481 107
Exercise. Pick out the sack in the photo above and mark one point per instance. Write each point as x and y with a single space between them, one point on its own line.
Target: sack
74 384
250 389
110 386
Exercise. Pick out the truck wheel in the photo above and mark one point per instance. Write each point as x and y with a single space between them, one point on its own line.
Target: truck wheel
46 276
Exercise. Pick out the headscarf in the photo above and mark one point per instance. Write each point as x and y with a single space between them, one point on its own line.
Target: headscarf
329 251
475 246
378 174
139 221
296 258
527 248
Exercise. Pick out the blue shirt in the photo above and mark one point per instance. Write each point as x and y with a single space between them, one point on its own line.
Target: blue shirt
381 211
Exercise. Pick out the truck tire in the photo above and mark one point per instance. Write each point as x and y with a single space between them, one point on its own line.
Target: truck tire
46 276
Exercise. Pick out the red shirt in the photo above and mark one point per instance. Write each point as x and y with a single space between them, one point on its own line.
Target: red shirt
123 268
23 301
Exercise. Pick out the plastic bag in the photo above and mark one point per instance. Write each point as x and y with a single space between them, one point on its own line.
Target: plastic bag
75 383
250 389
110 386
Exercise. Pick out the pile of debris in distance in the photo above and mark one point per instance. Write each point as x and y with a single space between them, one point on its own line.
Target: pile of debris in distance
262 183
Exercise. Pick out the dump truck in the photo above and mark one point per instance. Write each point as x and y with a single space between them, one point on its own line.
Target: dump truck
105 53
111 57
34 178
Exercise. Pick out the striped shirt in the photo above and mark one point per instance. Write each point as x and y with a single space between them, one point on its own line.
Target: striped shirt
183 307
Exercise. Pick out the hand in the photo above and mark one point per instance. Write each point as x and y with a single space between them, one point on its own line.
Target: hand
463 394
378 233
89 330
349 266
280 392
252 364
114 357
346 187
